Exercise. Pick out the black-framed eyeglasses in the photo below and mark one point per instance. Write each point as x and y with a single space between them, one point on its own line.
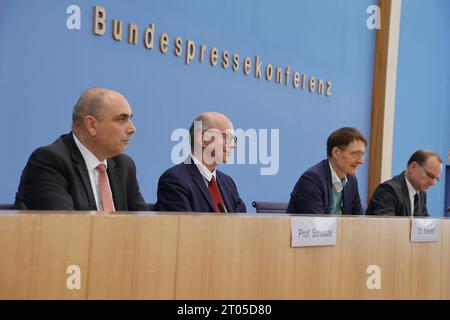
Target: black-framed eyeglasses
428 173
227 135
355 154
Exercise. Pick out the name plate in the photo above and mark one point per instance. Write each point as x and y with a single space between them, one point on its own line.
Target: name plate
313 231
425 230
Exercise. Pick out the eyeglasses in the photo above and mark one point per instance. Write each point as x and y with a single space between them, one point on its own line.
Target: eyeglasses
429 174
228 136
355 154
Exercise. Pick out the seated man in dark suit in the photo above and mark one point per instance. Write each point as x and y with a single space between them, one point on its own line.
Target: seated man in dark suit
195 185
404 195
86 168
330 187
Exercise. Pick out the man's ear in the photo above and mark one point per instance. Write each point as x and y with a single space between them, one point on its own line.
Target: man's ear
90 123
334 152
204 138
413 165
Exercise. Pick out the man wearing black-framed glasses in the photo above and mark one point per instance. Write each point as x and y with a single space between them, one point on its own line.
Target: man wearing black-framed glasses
405 194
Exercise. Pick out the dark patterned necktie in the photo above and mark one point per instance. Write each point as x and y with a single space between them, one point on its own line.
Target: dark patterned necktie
416 204
214 191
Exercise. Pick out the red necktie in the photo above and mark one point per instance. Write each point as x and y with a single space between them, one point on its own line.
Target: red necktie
214 191
104 189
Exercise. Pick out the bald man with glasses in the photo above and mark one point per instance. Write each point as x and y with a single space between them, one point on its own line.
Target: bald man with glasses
405 194
196 185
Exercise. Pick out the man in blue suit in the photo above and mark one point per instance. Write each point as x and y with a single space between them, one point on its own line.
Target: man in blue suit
195 185
330 187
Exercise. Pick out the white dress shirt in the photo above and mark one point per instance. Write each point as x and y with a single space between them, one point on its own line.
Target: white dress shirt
412 192
337 183
91 164
206 174
204 171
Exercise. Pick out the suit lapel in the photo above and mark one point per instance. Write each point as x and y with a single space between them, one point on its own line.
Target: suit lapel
345 201
326 168
117 187
200 182
224 194
405 194
80 165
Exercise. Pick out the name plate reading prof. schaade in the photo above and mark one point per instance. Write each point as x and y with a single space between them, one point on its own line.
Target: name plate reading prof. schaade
425 230
313 231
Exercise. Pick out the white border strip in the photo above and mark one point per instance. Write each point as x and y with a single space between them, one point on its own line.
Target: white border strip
391 87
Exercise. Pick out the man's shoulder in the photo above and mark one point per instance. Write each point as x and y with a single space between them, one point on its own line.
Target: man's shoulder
57 149
178 170
317 171
395 182
223 176
392 185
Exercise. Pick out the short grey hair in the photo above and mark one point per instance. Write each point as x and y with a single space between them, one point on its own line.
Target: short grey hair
89 103
205 120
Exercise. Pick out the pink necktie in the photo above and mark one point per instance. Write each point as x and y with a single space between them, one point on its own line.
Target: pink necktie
104 189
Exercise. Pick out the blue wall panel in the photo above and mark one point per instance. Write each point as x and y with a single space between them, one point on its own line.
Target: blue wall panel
422 113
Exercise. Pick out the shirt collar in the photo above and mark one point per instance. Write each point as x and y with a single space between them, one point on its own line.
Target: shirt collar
91 161
204 171
337 183
412 192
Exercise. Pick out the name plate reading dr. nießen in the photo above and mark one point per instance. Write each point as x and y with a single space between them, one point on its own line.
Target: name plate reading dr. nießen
313 231
425 230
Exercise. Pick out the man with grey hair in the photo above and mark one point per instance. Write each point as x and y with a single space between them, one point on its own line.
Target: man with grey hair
405 194
195 185
86 168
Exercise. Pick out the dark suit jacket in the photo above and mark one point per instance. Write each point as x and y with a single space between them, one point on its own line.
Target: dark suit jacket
56 178
182 188
312 192
392 198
